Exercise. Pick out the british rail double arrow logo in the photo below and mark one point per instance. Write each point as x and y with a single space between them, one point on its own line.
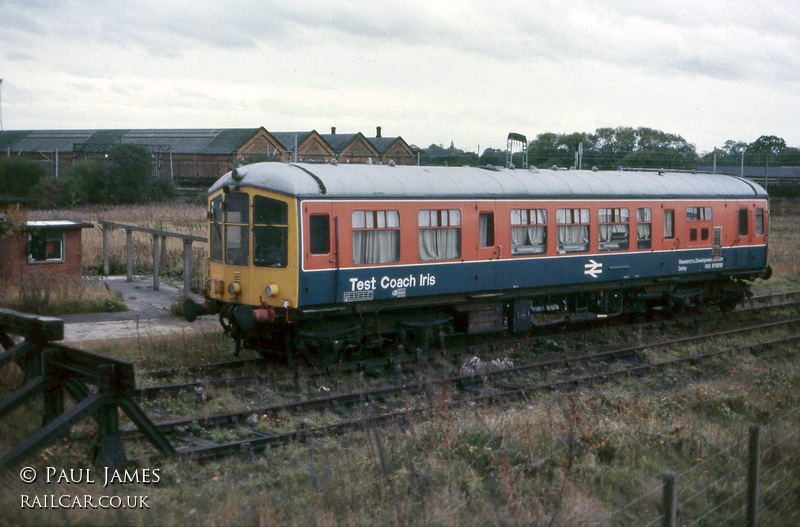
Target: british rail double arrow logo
593 268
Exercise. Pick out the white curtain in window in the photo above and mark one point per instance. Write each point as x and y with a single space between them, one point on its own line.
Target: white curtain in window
669 219
573 238
528 239
605 232
483 230
376 246
439 244
643 231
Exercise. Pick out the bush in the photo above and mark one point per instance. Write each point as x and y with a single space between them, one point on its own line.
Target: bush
19 177
60 192
90 182
129 173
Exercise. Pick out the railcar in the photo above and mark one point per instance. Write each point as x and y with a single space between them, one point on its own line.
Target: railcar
325 257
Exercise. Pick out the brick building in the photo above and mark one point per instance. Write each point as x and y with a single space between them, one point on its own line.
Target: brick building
186 156
310 146
33 250
197 157
392 149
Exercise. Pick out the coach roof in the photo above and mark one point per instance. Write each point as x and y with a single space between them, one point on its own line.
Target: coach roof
418 182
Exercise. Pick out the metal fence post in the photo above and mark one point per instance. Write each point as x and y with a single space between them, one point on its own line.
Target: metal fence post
105 250
669 500
129 254
187 266
155 262
753 473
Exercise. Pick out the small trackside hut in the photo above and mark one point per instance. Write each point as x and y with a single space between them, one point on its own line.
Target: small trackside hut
325 257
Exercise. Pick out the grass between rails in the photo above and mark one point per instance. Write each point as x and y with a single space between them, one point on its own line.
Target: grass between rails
560 459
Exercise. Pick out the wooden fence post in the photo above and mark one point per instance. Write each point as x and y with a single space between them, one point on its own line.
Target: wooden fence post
669 500
753 473
187 267
155 262
129 254
105 250
163 252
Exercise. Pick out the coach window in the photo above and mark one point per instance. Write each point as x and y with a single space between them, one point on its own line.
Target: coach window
669 224
759 222
376 236
644 228
698 213
613 229
486 229
743 217
439 234
236 236
528 231
270 232
573 230
319 226
215 235
704 233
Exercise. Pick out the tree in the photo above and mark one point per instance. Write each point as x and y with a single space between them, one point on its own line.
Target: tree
19 177
769 146
129 173
90 182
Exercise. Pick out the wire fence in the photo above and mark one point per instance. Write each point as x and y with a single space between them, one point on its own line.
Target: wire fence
753 481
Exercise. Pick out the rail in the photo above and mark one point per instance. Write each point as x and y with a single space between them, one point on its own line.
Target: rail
159 256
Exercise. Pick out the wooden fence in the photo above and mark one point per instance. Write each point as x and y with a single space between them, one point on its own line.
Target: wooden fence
159 256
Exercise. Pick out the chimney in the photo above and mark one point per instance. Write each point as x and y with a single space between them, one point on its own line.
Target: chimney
333 130
378 131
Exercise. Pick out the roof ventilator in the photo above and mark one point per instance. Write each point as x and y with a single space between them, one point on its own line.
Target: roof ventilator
490 167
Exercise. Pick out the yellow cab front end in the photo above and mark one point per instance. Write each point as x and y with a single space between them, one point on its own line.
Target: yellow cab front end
253 249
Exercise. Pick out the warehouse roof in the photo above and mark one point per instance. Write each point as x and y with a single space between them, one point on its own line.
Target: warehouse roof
417 182
179 141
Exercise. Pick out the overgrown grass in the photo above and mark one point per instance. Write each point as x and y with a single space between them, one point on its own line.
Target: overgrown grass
559 459
65 296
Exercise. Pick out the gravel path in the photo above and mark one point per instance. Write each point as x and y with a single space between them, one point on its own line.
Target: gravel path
148 315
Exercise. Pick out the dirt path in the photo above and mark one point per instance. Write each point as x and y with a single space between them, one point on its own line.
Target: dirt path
148 316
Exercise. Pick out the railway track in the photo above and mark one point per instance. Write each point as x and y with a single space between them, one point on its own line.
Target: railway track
485 383
263 441
397 362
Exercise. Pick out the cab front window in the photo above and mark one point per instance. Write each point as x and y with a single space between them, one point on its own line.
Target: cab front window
270 232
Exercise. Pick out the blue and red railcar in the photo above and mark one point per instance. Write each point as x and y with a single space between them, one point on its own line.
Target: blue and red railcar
325 256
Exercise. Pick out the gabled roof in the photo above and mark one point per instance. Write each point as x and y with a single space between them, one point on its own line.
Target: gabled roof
339 141
382 144
286 139
179 141
420 182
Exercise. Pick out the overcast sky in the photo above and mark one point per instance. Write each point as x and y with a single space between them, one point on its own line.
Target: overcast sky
433 72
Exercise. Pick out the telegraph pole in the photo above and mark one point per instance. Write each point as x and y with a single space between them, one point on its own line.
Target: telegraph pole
1 105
